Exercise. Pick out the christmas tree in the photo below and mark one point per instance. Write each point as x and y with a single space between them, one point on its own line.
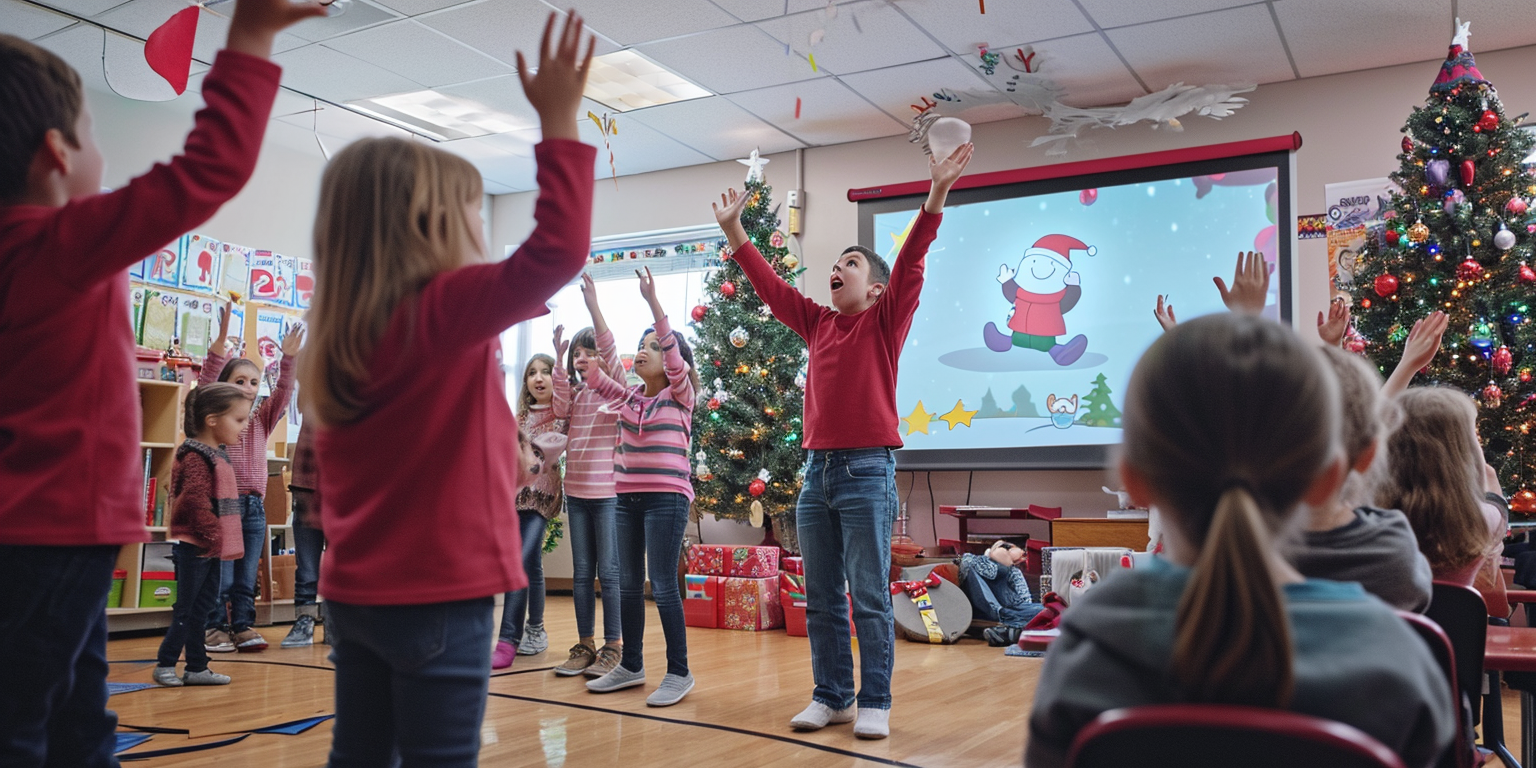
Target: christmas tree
1099 409
1458 239
747 426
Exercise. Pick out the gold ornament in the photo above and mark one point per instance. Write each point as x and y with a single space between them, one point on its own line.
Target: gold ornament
1418 232
791 261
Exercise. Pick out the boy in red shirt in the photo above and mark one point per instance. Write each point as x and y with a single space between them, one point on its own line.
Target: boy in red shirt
848 503
70 466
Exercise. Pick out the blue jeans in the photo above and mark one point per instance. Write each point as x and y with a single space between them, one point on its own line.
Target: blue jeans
650 533
309 545
844 517
197 587
594 553
985 600
237 578
53 642
530 600
411 682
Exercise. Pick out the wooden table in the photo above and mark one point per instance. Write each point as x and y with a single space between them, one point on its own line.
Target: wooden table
1511 649
1130 533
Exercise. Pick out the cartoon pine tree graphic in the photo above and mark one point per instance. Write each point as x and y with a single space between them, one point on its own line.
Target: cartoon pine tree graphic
1099 410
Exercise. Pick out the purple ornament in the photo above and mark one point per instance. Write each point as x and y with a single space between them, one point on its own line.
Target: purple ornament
1437 171
1454 199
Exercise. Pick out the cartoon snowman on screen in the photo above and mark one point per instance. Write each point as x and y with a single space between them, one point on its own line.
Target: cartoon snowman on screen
1042 290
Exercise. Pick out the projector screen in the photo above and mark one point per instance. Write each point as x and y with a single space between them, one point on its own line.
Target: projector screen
1039 299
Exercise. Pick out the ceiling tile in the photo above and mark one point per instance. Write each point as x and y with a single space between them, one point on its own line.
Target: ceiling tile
422 54
334 76
895 89
830 113
343 125
1086 68
502 94
1118 13
1226 47
716 127
496 188
80 47
1314 37
418 7
141 17
1496 24
732 59
628 22
358 16
753 10
85 8
882 38
499 28
30 22
636 148
1005 23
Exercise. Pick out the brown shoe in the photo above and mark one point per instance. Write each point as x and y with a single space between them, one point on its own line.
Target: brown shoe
218 641
248 640
582 657
608 658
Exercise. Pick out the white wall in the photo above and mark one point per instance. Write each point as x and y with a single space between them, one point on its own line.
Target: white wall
1350 125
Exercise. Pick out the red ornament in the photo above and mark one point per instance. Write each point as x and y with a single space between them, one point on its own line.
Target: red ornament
699 312
727 289
1386 285
1525 374
1393 238
1407 146
757 487
1365 303
714 403
1468 173
1502 360
1493 397
1469 270
1489 121
1527 275
1516 206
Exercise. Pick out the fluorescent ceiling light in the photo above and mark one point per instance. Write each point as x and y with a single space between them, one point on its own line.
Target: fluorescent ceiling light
626 80
439 116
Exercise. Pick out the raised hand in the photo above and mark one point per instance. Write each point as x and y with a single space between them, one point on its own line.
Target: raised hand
555 91
1250 284
1424 341
224 314
560 344
1004 274
1333 329
729 209
647 286
293 340
257 22
945 173
1164 314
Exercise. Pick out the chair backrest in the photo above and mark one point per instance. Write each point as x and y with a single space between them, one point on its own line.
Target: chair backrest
1200 735
1460 756
1461 613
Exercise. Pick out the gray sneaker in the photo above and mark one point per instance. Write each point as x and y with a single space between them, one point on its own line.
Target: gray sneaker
166 676
535 641
617 680
302 634
672 690
205 677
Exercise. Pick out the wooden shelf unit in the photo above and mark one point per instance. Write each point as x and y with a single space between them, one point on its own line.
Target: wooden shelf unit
162 404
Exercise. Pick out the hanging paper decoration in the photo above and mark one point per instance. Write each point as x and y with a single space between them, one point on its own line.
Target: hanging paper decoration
609 127
169 48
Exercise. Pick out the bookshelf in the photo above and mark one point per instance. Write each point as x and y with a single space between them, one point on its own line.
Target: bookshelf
161 402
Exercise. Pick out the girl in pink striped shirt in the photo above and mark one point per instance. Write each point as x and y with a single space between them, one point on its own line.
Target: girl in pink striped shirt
234 630
655 488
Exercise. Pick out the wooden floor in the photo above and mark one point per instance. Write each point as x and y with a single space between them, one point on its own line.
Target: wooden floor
959 705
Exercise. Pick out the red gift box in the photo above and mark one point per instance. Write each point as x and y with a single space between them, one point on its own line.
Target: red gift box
733 560
794 615
750 604
701 601
795 565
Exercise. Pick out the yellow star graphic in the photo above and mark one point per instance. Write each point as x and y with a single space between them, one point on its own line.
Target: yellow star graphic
958 415
918 421
898 240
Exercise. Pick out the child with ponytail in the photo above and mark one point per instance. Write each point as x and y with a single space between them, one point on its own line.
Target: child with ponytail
1231 424
205 522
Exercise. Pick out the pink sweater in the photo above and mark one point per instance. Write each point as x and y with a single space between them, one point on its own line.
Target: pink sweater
543 494
250 456
594 432
655 432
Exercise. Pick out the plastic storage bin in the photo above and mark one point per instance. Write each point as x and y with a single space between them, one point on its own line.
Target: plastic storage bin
157 589
115 597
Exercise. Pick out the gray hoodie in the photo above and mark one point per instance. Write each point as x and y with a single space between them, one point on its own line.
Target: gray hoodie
1377 550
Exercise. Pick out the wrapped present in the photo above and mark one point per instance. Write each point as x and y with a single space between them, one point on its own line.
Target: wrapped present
733 560
1061 565
792 584
795 565
929 609
794 615
701 601
750 604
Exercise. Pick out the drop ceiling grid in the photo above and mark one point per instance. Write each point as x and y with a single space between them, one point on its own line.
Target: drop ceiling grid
420 53
1231 46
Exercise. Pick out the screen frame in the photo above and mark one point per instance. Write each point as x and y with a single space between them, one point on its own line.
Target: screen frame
1277 153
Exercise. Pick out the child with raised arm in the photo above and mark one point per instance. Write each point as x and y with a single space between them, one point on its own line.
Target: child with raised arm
655 487
848 502
70 462
417 444
590 500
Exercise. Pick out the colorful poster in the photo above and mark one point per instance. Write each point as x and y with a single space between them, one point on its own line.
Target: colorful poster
270 325
1355 208
287 268
136 272
264 285
164 267
1312 226
304 283
159 319
200 264
196 320
234 343
235 280
136 311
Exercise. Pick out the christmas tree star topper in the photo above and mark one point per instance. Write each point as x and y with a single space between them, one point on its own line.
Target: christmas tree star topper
754 165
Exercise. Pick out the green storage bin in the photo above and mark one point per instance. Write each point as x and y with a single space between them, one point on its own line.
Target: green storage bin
157 589
115 597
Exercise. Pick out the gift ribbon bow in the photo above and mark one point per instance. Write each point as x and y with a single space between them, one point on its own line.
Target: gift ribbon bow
918 591
918 588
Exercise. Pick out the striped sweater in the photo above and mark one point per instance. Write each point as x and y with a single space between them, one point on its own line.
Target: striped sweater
655 432
250 456
205 508
594 430
543 494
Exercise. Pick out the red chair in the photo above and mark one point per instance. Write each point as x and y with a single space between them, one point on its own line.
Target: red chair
1462 614
1462 753
1221 736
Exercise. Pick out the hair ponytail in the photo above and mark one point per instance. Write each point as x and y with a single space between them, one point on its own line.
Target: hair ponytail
1232 642
209 400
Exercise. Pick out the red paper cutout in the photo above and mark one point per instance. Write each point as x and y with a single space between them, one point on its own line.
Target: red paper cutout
797 107
169 48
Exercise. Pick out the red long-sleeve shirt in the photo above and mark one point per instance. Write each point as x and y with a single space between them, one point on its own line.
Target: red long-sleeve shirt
71 470
850 389
418 494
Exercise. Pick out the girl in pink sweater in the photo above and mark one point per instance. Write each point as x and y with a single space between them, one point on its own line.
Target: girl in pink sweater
655 488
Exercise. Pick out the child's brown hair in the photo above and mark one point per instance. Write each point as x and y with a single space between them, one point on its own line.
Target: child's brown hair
40 93
1433 473
524 395
585 338
210 400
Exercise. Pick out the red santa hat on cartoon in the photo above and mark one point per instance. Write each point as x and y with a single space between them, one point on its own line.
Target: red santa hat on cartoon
1060 249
